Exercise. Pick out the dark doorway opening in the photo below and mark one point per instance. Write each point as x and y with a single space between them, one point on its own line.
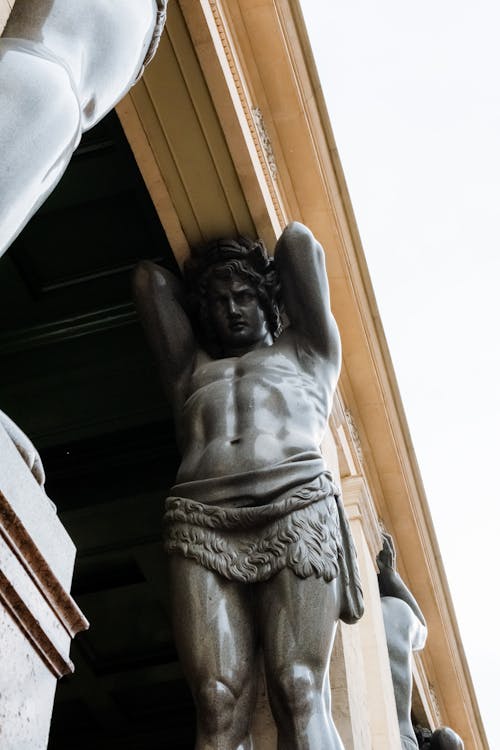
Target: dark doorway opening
77 376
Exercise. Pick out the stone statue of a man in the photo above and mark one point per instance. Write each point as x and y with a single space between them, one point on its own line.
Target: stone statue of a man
260 554
405 631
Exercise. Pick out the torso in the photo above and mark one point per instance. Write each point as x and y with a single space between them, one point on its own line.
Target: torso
246 413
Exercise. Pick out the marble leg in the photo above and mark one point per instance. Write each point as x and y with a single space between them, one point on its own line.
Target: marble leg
40 126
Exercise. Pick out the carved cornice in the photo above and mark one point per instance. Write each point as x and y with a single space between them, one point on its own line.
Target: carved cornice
258 118
257 130
353 431
435 704
347 438
359 506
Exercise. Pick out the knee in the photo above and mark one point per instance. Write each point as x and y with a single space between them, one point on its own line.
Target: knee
216 704
297 690
40 92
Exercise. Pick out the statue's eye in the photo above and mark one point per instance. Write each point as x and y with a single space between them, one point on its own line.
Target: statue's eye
244 297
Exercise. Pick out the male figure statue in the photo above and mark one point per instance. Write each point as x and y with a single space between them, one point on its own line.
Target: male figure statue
405 631
260 554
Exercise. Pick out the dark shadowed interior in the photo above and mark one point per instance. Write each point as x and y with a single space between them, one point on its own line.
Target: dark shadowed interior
77 376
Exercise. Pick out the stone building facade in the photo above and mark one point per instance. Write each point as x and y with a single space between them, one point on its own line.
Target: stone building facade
230 133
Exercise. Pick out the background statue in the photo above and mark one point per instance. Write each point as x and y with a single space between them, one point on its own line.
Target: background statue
260 554
405 630
443 738
63 65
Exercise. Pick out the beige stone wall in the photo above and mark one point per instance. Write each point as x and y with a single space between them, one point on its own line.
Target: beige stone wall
5 8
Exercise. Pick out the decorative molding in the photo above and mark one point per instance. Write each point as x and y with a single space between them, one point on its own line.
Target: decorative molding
29 624
359 506
248 109
346 438
265 139
435 704
25 549
41 590
353 431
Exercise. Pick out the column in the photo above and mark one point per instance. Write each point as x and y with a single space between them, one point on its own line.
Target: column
380 703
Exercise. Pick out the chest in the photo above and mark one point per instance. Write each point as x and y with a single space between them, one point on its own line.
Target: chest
259 384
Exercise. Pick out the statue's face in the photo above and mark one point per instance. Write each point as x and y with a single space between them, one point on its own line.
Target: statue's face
238 319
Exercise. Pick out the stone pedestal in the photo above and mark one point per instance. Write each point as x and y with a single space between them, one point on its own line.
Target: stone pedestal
38 617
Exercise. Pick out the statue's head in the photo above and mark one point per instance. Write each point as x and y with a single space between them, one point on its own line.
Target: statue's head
445 738
234 292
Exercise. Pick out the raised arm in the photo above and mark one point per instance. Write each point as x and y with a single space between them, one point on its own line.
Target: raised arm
300 261
159 298
390 582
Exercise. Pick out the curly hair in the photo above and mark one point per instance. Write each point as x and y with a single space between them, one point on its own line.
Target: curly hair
224 258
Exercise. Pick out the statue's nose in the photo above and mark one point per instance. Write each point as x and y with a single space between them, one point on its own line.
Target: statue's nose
232 307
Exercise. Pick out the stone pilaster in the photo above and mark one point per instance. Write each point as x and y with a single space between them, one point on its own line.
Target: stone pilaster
374 669
38 617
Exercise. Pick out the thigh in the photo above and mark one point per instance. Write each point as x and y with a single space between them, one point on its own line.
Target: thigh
297 619
212 621
102 43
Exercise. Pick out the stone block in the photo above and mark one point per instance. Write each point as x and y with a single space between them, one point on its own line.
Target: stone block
38 617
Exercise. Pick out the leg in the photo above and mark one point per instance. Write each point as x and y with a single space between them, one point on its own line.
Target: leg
404 633
40 126
102 44
214 635
297 619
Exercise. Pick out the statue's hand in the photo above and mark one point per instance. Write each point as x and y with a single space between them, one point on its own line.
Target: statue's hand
386 558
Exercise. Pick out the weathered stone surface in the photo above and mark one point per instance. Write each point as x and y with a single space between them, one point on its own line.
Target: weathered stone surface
38 617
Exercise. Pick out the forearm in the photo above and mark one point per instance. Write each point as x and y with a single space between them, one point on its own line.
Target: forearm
300 261
391 584
160 302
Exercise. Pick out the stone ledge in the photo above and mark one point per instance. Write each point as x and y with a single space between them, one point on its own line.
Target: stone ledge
33 596
26 551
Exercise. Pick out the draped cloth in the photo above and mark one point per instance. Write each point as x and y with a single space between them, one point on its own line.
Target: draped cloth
304 529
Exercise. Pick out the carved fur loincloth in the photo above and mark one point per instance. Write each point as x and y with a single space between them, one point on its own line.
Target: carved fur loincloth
306 531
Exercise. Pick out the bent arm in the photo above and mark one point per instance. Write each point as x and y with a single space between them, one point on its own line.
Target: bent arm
159 297
300 261
390 582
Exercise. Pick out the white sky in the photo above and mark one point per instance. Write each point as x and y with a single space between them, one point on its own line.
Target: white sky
413 94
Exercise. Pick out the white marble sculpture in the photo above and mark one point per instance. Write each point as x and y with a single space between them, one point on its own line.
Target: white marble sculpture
63 65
